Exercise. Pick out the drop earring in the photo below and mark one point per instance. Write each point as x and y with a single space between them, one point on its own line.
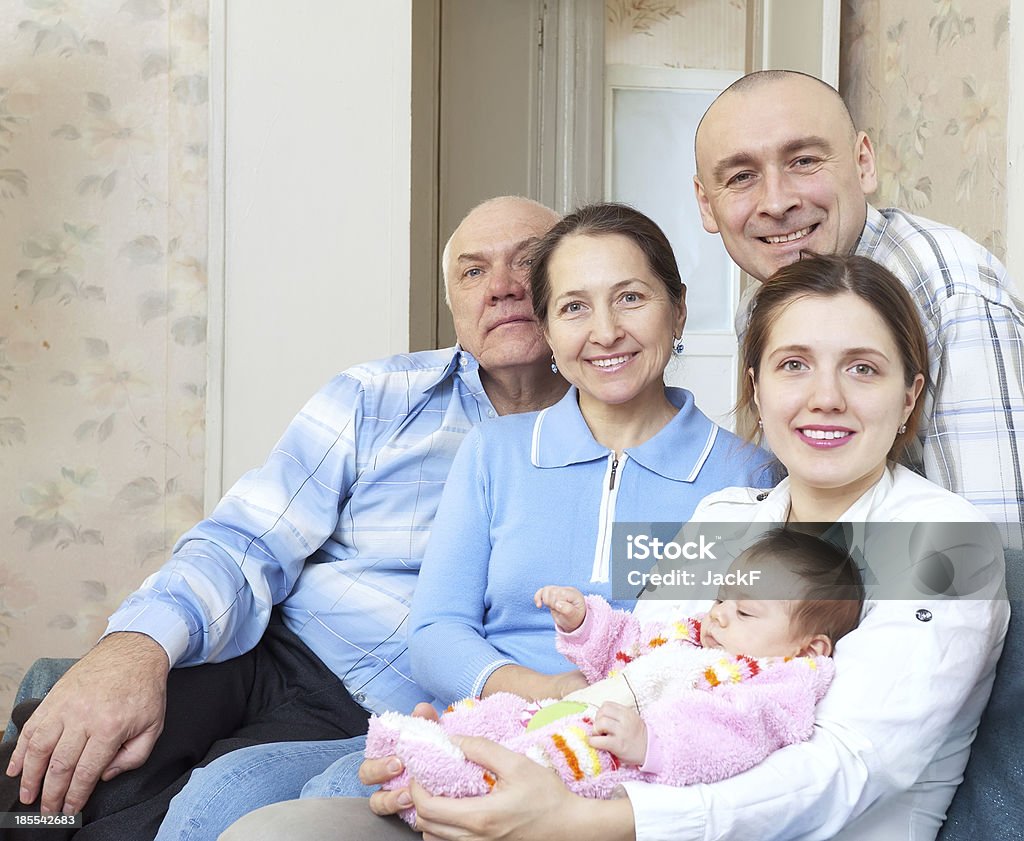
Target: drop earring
677 345
554 365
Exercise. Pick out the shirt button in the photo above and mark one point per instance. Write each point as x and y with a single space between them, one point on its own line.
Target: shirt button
491 413
462 361
360 697
924 615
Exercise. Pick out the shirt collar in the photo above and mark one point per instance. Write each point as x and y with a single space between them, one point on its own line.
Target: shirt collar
774 506
461 361
561 437
864 508
874 226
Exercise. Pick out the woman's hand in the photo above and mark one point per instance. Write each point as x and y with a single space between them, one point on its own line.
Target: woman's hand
620 730
376 772
528 803
567 605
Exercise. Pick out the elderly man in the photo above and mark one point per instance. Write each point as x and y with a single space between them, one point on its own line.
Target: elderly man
296 589
781 170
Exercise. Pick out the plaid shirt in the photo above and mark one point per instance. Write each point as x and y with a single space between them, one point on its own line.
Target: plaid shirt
972 437
972 428
332 527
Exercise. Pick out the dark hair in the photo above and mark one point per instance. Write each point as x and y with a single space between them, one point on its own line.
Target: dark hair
599 220
832 593
826 276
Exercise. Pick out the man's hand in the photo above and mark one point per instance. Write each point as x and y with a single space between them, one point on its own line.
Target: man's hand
101 719
567 605
621 731
376 772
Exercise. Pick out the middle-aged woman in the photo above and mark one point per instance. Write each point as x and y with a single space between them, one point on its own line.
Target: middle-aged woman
835 360
532 498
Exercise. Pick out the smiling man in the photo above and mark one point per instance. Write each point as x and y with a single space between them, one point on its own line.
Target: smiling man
291 599
781 169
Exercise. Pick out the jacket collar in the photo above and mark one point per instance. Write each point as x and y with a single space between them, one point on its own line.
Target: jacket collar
774 507
561 437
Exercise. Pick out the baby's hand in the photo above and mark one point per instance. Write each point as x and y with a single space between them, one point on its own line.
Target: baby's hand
621 731
566 604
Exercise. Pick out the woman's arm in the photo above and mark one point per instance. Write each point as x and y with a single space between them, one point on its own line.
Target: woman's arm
451 655
534 686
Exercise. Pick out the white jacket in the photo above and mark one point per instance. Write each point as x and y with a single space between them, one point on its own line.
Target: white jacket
893 733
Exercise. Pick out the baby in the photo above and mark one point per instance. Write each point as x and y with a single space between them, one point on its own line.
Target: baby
686 701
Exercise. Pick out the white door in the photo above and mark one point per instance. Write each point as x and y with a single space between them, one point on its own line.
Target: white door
651 117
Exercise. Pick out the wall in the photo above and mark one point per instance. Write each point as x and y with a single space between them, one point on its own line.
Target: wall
317 99
107 168
103 251
676 33
929 83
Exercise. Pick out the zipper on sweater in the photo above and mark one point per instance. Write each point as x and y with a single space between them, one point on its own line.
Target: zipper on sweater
606 519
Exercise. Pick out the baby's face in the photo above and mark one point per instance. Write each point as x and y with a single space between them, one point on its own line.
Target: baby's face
755 627
744 621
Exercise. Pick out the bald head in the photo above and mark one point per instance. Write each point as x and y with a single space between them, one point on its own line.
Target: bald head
769 84
513 208
781 170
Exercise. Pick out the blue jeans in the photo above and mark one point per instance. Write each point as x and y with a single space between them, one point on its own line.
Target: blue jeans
246 779
341 779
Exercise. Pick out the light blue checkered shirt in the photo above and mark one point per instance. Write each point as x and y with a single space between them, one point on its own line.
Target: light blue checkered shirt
342 565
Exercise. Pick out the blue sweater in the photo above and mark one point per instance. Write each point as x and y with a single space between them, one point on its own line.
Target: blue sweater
530 501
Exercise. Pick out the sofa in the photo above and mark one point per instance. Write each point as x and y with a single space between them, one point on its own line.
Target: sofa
989 804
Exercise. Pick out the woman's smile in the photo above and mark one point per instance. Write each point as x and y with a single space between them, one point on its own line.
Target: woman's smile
612 364
825 437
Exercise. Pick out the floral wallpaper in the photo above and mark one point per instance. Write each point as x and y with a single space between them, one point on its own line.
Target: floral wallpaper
103 238
709 34
928 82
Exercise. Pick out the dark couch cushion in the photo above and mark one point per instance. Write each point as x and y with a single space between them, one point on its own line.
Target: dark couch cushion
989 805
